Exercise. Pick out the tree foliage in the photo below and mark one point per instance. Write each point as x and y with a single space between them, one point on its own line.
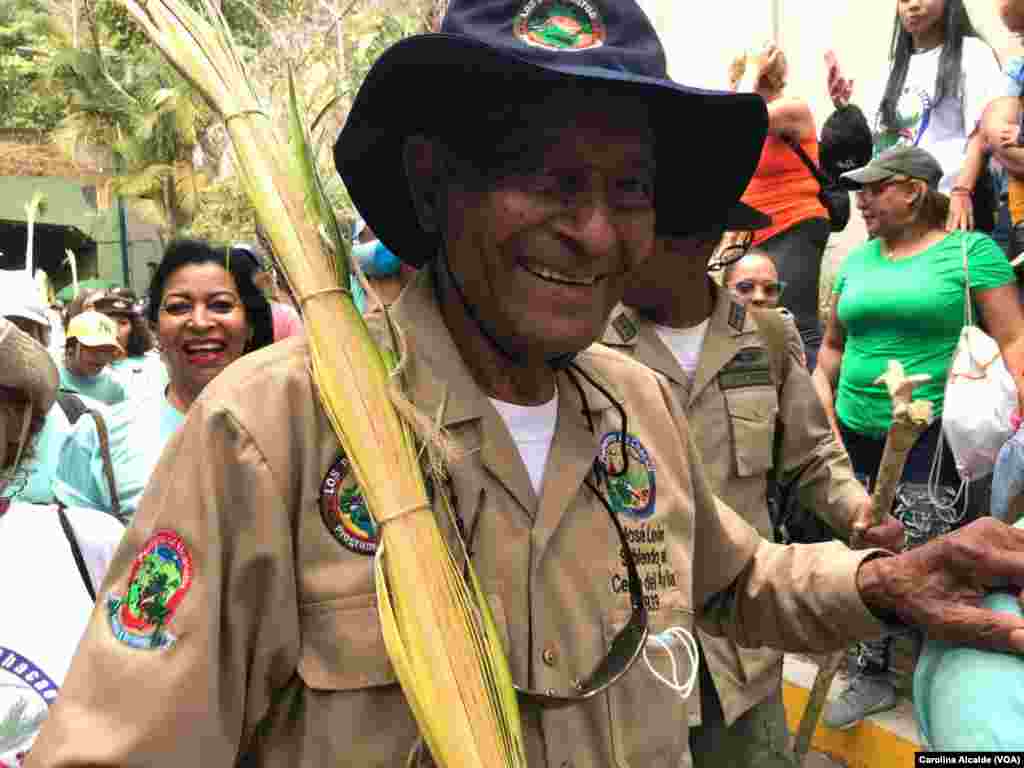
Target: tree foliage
26 101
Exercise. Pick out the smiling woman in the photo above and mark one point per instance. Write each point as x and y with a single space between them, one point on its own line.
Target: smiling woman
207 312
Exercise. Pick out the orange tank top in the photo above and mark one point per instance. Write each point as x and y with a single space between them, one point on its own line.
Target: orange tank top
783 186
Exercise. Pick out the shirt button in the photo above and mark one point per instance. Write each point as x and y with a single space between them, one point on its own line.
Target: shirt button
566 764
550 656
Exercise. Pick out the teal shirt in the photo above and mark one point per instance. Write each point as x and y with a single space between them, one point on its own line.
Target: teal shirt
103 386
141 376
970 699
42 467
138 430
911 311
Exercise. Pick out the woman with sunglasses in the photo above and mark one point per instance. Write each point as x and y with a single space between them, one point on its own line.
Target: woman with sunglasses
901 296
207 312
754 280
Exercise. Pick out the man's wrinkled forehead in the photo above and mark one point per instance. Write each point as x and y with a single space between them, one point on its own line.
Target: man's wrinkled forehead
519 132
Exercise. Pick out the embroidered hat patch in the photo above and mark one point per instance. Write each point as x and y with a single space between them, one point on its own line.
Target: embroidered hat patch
630 493
344 510
160 578
561 25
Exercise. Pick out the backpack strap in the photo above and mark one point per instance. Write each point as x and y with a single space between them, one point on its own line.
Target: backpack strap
71 404
819 175
108 464
76 551
772 327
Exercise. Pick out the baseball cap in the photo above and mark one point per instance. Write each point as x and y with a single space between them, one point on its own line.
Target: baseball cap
913 162
114 305
94 329
19 297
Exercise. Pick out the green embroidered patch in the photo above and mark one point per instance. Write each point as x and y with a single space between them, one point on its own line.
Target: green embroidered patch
625 327
748 368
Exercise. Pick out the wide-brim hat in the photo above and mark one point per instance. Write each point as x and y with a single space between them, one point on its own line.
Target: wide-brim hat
744 218
707 143
20 297
25 365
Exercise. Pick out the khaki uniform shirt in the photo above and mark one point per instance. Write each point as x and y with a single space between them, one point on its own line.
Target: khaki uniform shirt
270 652
745 425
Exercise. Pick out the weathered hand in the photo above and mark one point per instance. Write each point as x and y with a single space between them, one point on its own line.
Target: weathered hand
961 213
939 585
889 534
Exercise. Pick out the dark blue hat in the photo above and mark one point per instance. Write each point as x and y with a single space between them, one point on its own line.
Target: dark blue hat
707 143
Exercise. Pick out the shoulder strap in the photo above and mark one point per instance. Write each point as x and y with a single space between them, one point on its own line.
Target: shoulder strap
71 404
772 328
76 551
968 308
108 464
818 174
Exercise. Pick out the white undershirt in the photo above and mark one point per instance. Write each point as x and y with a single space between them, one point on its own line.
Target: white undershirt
685 344
532 428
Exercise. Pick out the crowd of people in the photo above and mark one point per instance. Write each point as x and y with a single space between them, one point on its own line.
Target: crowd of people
602 344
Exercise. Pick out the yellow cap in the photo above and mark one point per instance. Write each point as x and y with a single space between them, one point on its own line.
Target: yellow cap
94 329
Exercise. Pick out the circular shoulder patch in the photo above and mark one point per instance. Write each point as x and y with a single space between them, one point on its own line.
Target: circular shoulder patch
344 510
561 25
632 493
160 578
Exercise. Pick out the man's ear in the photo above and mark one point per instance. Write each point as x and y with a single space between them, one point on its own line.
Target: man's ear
425 173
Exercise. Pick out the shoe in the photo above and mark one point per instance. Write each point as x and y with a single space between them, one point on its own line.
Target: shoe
865 695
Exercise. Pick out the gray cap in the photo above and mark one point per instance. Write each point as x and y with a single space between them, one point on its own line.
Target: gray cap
913 162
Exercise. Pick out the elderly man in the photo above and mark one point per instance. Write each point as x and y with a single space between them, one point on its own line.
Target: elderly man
739 375
526 187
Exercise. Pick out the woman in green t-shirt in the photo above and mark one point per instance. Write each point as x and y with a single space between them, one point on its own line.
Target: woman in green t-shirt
900 296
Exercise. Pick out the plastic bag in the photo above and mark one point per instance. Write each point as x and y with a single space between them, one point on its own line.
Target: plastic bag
980 400
1008 478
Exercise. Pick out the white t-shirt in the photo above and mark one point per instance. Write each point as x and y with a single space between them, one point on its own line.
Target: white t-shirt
532 428
44 610
685 343
939 130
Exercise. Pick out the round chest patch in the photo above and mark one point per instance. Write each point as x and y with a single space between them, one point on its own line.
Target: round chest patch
344 510
561 25
26 693
630 493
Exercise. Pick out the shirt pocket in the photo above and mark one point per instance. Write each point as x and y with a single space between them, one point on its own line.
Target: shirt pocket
649 720
343 646
752 415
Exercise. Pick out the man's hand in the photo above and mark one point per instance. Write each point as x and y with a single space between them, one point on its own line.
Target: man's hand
889 534
939 586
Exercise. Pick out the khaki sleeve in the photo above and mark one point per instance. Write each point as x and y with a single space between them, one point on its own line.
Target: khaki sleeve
795 598
208 563
807 452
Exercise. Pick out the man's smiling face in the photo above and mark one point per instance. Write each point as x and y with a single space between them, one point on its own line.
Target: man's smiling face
542 251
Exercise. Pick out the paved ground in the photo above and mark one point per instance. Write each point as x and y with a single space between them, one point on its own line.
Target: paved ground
820 760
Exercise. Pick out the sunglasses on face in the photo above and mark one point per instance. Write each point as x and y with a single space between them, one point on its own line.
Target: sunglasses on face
876 188
746 288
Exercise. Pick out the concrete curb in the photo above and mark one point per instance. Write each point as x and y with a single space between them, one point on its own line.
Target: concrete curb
884 740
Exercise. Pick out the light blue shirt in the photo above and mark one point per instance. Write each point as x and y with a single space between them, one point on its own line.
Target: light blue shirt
43 465
103 386
971 699
141 376
138 430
